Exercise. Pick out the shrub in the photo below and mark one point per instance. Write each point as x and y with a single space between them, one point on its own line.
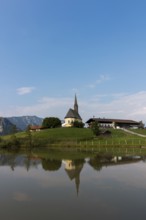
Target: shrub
78 124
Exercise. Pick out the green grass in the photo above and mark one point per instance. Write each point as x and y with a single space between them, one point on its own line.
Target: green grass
65 134
70 138
48 137
139 131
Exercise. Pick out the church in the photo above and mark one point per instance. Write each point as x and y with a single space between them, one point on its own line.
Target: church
72 115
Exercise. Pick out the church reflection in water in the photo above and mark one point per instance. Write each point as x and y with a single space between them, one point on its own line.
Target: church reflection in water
72 168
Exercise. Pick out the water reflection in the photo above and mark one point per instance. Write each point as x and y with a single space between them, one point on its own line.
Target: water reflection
100 161
51 165
73 167
14 161
57 185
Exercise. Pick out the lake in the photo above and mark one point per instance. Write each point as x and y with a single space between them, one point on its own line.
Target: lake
54 185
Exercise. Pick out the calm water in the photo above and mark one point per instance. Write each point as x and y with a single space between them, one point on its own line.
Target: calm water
37 187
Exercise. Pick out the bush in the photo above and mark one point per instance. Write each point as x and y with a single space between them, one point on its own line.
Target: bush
12 143
78 124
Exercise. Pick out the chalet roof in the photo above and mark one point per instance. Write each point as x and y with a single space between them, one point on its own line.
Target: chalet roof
106 120
73 114
35 127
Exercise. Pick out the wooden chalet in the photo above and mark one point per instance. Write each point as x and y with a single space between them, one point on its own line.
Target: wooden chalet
114 123
35 128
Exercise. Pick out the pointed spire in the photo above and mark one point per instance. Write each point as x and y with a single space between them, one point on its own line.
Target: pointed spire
77 182
76 104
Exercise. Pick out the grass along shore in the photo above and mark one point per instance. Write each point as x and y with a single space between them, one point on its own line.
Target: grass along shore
71 138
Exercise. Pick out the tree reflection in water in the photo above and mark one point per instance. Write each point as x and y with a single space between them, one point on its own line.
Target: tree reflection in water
51 165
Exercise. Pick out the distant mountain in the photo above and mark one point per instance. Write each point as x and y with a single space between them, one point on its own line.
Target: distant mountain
6 127
22 122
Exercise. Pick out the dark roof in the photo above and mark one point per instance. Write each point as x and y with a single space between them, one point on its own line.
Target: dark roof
73 114
106 120
35 127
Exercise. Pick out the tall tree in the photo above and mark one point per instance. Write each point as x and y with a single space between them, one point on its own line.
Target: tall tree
51 122
95 128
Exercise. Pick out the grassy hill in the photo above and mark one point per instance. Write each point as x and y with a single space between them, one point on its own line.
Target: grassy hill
60 134
81 138
49 137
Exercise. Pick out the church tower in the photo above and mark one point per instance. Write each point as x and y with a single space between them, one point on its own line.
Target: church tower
76 104
72 115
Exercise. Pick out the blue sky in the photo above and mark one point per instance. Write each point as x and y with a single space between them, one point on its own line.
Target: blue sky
52 49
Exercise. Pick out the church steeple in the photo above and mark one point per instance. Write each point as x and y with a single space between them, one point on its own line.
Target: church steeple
76 104
72 115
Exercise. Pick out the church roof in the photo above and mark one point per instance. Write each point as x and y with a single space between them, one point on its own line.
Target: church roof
73 114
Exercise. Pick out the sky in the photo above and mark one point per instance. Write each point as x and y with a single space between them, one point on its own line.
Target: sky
51 50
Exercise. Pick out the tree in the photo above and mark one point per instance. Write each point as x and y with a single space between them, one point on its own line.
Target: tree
29 137
141 125
77 124
95 128
51 122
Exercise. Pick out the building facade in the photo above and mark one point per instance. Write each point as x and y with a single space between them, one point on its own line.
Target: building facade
114 123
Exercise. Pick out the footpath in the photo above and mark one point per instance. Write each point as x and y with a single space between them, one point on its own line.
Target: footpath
132 132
